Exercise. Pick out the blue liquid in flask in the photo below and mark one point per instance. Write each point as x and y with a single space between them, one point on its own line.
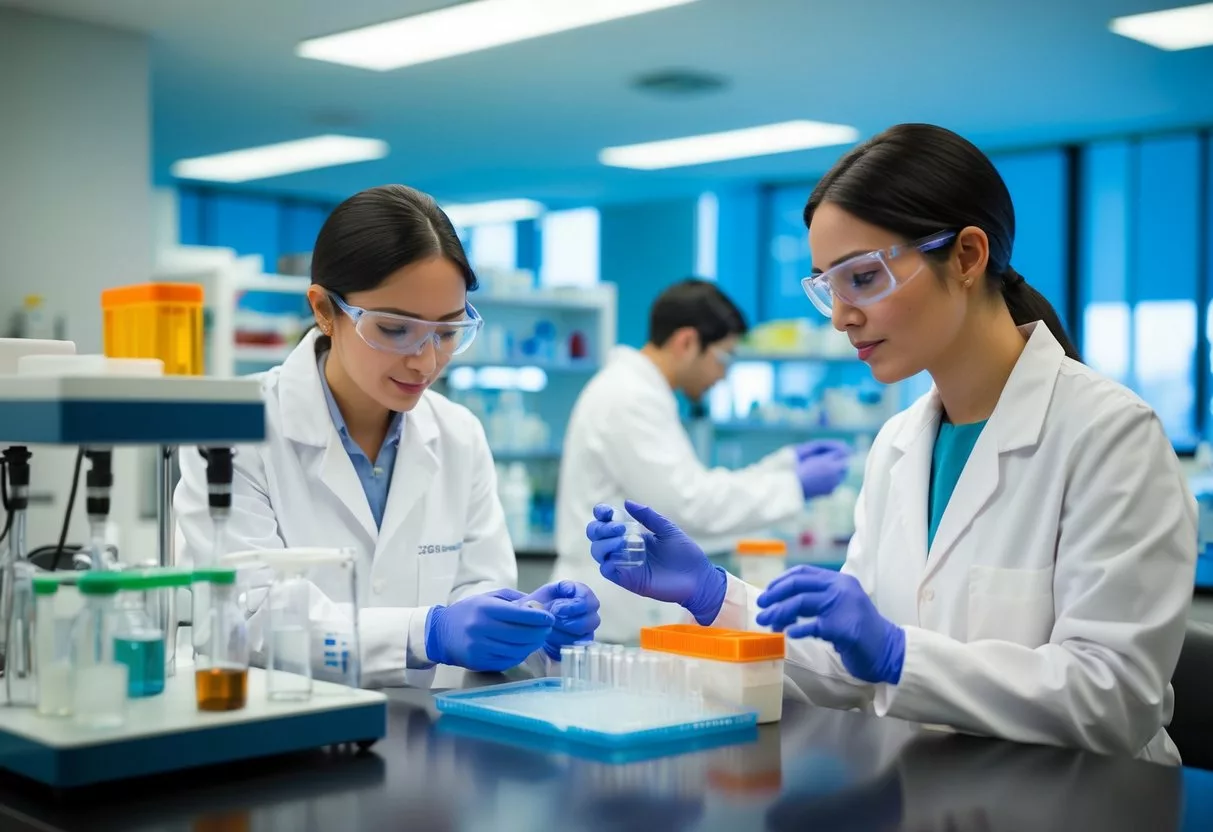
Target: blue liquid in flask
144 655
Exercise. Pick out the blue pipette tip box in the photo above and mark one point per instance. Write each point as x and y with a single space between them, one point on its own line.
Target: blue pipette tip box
606 717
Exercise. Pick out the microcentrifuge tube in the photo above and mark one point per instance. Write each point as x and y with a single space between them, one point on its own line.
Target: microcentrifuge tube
629 670
617 657
580 672
693 677
593 655
567 671
649 667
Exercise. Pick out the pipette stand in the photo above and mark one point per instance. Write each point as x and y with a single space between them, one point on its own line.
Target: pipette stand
166 732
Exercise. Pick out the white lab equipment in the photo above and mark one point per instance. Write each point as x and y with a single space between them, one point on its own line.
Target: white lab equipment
443 535
1052 604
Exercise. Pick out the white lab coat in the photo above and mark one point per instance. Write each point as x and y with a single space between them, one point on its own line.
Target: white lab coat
443 536
625 439
1052 606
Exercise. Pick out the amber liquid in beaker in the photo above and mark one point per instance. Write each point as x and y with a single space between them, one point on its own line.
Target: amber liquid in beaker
221 688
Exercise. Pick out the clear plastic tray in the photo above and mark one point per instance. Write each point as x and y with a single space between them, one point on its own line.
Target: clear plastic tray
610 717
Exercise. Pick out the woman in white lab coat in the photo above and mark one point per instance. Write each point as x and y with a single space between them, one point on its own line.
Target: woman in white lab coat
359 453
1025 541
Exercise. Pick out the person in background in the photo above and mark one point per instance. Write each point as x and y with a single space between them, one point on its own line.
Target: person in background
1025 540
360 453
625 437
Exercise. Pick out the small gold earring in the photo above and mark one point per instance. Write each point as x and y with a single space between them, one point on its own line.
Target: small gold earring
968 282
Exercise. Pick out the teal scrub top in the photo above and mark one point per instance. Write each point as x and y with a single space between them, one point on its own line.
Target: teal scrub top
953 445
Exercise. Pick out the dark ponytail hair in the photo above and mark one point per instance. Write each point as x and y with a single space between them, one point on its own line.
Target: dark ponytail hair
377 232
918 179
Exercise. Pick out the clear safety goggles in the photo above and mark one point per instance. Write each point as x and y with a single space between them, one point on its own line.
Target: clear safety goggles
401 334
867 278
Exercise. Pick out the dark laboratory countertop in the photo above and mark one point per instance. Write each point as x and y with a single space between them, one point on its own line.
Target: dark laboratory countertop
815 770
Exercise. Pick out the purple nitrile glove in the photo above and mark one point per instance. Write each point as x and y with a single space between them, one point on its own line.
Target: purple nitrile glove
574 606
675 569
489 632
821 466
871 647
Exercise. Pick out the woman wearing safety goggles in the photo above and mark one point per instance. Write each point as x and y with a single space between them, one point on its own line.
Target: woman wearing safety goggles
1025 541
361 454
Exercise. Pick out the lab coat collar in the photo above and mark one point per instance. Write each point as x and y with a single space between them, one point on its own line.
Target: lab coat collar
1017 422
1019 416
305 414
642 365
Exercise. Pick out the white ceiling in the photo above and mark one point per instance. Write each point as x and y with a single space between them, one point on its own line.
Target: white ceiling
528 119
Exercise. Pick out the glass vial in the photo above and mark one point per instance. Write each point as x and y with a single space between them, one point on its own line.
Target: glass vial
98 682
20 682
221 670
52 646
632 553
138 639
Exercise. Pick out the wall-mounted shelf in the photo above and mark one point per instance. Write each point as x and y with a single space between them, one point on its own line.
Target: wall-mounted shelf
587 367
251 354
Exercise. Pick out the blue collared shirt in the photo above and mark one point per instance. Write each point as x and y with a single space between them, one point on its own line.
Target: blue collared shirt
376 477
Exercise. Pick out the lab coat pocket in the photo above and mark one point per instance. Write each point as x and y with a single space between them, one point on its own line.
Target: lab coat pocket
1011 605
436 576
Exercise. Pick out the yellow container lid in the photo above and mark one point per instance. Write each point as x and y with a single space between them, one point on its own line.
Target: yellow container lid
762 547
714 643
151 293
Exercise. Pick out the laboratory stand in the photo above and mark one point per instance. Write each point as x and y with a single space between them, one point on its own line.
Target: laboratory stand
167 733
91 688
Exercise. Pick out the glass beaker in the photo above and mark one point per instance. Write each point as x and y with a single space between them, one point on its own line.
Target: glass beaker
138 638
289 646
160 600
221 666
99 683
56 604
318 589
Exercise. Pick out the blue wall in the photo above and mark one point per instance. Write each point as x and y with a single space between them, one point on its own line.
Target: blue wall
645 248
1144 241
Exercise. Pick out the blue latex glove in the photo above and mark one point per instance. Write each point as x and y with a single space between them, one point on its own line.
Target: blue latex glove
675 569
575 609
872 648
489 632
821 466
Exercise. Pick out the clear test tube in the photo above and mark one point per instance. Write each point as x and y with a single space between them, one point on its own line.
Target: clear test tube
618 653
593 666
649 669
572 666
693 681
630 674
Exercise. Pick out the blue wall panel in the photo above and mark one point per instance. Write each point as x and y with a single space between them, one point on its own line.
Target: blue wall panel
300 223
1039 187
739 248
248 224
645 248
787 259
